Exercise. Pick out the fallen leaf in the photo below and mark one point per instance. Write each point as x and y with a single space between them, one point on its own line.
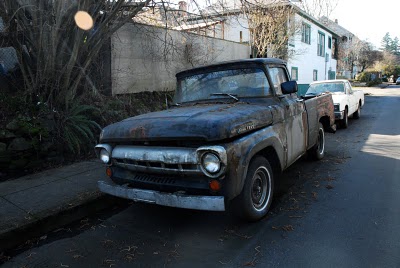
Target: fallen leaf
329 187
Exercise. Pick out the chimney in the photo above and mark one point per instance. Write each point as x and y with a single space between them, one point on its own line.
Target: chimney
182 5
336 21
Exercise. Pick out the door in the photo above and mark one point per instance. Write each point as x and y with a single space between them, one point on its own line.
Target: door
295 117
352 98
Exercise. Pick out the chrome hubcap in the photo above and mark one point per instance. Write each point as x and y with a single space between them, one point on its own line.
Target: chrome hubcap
261 190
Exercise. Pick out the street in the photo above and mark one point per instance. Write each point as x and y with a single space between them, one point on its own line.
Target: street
342 211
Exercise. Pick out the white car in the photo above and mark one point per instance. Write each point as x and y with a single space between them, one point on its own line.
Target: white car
347 101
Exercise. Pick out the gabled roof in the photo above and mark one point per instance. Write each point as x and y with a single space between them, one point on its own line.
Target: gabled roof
334 25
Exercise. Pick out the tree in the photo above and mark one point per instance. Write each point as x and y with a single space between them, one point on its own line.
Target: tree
271 26
386 42
367 55
318 8
55 54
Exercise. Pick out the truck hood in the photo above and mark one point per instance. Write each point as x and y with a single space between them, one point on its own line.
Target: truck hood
208 122
339 97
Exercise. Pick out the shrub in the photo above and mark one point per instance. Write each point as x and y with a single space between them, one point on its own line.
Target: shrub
364 77
374 82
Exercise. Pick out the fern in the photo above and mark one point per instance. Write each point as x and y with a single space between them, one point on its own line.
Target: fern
77 129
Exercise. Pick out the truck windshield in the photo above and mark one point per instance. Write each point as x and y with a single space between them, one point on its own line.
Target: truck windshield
250 82
316 89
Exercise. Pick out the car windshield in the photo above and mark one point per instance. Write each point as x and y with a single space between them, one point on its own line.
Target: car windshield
316 89
234 84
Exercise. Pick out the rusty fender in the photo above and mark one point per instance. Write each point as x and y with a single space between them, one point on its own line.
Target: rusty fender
241 151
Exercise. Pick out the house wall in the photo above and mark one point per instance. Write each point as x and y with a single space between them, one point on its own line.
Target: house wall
306 59
146 58
234 25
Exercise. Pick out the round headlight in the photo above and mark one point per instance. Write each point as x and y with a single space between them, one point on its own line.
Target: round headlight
211 163
104 156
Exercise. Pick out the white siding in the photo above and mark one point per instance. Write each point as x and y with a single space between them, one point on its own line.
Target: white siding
305 57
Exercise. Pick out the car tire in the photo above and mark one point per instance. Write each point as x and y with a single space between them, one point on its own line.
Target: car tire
255 199
345 121
357 113
317 152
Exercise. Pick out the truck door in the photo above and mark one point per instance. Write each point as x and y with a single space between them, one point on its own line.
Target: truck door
352 100
295 121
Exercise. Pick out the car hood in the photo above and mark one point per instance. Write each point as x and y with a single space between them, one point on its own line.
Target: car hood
338 97
208 122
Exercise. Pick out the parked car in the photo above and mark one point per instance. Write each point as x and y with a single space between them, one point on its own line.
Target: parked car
234 127
346 100
398 81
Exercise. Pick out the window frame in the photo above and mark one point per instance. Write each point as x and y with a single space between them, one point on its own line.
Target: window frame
297 73
315 75
329 42
321 44
306 28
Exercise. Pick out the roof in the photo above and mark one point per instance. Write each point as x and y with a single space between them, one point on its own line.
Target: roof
224 64
338 28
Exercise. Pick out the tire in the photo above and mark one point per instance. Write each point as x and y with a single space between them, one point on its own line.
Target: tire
345 121
318 150
255 199
357 113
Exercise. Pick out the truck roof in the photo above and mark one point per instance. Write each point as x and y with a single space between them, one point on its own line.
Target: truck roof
224 64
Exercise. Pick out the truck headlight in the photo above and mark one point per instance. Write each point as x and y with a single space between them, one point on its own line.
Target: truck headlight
104 156
337 107
211 163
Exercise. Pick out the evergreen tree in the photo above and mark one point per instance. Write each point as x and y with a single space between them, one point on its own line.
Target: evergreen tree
395 47
386 43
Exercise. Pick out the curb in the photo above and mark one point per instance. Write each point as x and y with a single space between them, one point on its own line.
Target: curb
53 221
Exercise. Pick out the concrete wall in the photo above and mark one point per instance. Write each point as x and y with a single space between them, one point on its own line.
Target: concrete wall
146 58
306 59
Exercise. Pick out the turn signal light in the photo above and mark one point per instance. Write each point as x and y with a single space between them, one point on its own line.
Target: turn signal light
215 185
109 172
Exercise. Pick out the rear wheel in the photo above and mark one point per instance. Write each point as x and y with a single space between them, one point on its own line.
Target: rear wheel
357 114
255 199
318 150
345 121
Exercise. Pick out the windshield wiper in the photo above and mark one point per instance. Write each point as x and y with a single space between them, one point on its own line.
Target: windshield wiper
224 94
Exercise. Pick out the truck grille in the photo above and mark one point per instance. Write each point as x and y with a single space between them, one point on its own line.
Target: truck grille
158 167
157 160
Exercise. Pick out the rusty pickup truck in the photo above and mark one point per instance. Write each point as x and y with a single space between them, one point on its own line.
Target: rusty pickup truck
234 127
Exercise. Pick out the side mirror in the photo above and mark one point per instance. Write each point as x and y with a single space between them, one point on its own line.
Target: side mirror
289 87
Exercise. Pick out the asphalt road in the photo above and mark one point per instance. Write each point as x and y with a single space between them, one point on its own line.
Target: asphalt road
342 211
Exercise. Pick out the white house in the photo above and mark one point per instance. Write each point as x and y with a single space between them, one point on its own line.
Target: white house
313 49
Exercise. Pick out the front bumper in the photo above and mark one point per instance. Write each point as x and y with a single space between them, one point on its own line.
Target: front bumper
339 115
211 203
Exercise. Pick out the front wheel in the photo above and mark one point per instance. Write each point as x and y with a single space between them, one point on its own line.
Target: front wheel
255 199
345 121
357 113
318 150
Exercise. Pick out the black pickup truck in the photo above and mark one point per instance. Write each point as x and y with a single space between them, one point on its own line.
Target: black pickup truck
233 128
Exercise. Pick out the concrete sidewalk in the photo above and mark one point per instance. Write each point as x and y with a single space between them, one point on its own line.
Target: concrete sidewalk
35 204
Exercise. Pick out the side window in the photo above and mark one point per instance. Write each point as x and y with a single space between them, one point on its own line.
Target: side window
349 88
278 76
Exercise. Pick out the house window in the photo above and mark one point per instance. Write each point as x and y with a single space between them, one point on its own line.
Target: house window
329 42
321 44
306 33
315 75
295 74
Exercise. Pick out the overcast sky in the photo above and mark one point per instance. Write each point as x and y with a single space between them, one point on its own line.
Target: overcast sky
369 20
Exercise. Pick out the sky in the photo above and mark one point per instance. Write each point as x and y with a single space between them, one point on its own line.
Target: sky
369 20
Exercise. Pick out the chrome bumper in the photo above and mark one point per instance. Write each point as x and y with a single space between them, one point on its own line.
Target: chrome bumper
211 203
339 115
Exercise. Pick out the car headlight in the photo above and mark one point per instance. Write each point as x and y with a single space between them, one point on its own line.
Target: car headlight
104 156
337 107
211 163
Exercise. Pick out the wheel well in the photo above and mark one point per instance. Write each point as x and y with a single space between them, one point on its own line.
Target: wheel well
325 122
270 154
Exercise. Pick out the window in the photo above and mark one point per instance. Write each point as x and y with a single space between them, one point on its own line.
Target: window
278 76
321 44
315 75
329 42
295 74
306 33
